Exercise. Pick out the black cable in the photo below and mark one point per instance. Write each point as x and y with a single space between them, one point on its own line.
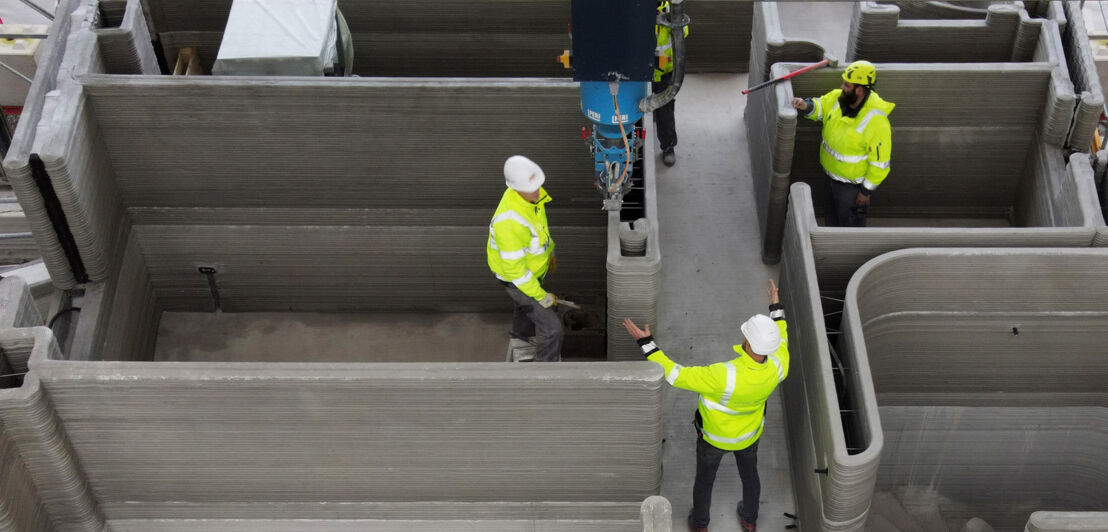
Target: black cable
58 314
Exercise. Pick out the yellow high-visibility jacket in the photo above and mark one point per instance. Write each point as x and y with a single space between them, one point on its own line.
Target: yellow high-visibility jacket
519 245
733 394
855 150
664 47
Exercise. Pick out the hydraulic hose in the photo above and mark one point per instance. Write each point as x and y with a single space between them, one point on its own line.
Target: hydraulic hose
676 24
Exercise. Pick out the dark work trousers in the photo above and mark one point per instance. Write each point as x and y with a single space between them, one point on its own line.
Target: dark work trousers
531 319
842 208
708 457
663 116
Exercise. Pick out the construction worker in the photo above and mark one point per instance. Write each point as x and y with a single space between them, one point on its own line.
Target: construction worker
731 411
521 252
857 143
663 76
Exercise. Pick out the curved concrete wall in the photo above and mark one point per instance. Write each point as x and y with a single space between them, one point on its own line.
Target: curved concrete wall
818 263
833 471
1023 420
1068 522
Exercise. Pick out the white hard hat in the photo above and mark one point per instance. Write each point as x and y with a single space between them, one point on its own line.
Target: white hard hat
522 174
762 333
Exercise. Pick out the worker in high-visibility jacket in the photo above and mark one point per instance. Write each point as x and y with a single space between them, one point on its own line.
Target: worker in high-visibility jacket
731 411
521 253
664 122
857 143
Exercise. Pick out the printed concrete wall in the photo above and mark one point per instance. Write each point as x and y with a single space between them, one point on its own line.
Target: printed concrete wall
18 163
1086 83
125 43
1023 421
818 263
1008 33
341 446
880 33
488 38
287 438
952 158
1067 522
61 499
833 465
769 45
21 506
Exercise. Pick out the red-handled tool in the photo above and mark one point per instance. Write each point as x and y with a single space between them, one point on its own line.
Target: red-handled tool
794 73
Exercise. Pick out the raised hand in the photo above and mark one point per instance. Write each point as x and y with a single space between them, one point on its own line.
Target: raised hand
634 330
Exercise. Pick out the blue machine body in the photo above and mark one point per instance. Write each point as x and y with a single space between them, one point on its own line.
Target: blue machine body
610 144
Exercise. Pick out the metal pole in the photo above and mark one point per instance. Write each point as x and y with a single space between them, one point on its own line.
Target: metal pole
13 236
38 9
23 35
16 72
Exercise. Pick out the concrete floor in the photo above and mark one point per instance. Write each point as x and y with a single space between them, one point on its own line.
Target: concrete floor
325 337
712 280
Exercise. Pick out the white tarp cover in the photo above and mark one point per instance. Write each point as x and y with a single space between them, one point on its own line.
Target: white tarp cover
278 38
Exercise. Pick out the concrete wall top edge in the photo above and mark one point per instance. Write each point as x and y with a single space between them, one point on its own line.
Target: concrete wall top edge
249 82
609 372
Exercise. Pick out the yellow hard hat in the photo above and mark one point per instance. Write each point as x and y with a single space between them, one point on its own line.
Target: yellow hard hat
860 73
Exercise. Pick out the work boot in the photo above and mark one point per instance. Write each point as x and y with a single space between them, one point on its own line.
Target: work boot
694 528
668 157
747 527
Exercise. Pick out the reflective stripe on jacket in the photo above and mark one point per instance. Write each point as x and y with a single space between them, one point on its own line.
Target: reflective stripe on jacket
664 46
519 245
855 150
733 394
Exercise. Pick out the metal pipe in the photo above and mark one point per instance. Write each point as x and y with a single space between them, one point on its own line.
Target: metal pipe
676 23
16 72
23 35
38 9
13 236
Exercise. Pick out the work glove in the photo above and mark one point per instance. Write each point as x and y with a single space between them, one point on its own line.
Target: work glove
549 301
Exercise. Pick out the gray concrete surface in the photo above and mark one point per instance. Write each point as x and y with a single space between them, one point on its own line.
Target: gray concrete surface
327 337
712 280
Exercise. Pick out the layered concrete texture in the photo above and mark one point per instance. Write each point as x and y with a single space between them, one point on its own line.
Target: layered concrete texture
1023 421
124 40
224 446
835 438
978 156
833 418
483 38
18 161
198 441
1007 33
1067 522
378 226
